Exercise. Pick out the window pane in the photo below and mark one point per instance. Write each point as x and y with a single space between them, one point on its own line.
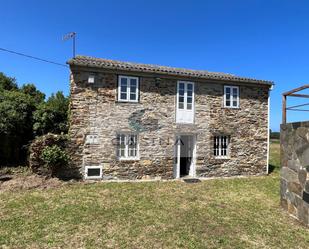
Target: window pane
189 93
123 89
189 87
235 91
93 172
189 106
235 103
189 99
133 89
181 99
181 92
133 82
227 90
132 96
123 96
181 86
180 105
132 145
124 81
227 102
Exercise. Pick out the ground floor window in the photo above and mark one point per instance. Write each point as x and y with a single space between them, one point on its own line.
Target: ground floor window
127 146
221 146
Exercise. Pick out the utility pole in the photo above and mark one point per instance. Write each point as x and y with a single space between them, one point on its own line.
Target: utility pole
69 36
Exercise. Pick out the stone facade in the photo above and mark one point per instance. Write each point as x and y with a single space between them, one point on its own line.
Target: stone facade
95 110
294 187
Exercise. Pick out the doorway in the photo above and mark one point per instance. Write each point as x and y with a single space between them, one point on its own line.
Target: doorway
184 156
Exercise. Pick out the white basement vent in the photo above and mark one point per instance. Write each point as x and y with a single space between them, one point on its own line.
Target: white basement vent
93 172
92 139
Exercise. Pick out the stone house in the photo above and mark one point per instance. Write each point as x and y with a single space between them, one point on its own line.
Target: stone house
138 121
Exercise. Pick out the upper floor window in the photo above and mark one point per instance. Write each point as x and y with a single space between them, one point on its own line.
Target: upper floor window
128 89
231 96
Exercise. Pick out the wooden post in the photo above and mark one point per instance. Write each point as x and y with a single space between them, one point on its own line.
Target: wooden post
283 109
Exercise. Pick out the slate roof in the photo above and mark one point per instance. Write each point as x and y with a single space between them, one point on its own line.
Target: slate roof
93 62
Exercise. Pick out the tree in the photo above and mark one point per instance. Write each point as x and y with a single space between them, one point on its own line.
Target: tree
7 83
52 115
31 90
17 109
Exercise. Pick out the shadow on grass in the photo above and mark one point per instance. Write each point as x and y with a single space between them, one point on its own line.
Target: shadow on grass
273 168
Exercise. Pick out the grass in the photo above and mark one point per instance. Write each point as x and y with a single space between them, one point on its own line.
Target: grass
229 213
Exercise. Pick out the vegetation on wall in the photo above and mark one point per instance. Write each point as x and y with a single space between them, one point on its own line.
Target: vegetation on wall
24 114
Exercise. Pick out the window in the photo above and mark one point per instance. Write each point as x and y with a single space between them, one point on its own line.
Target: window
185 102
231 96
93 172
91 78
92 139
128 89
127 146
221 146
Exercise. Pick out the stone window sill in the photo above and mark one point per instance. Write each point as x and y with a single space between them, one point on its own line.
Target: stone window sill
231 108
127 102
128 159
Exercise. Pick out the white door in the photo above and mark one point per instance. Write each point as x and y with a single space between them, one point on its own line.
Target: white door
185 102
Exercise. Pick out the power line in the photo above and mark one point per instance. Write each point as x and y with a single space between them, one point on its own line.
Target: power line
33 57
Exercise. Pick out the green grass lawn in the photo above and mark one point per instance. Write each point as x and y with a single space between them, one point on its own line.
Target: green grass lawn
227 213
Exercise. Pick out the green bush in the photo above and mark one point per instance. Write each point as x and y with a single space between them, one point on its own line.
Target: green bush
54 156
48 155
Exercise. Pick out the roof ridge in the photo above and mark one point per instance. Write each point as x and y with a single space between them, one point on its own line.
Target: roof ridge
152 65
82 60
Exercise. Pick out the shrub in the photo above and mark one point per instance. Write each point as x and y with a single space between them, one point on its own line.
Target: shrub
54 157
48 154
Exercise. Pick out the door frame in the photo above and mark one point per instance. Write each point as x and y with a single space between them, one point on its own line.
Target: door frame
177 151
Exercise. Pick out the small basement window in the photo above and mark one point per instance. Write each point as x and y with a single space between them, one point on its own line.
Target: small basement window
221 146
93 172
91 78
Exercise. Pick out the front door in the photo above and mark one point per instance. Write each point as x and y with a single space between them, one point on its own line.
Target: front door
184 156
185 102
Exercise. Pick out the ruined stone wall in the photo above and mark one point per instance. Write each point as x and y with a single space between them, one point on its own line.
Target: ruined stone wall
94 109
294 187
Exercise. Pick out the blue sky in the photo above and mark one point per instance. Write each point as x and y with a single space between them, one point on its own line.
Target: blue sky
264 39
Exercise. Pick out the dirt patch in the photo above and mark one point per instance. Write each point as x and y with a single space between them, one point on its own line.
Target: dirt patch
24 182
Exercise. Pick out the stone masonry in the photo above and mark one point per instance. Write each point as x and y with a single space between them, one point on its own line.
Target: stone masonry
95 110
294 187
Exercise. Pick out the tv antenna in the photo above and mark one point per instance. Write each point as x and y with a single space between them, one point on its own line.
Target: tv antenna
69 36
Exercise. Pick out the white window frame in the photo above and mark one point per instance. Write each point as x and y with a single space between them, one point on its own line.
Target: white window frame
128 88
231 96
90 77
126 156
185 103
93 177
220 149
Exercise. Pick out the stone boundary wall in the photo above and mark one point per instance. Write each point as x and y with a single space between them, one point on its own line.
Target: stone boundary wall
294 186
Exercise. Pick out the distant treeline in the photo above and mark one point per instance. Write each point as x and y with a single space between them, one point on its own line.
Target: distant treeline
274 135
